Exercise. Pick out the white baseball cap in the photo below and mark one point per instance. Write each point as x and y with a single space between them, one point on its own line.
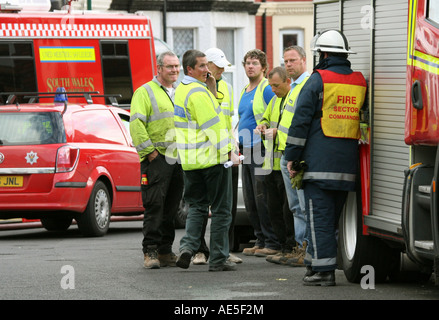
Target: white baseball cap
218 57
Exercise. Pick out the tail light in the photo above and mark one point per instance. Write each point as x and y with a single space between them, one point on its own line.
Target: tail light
66 158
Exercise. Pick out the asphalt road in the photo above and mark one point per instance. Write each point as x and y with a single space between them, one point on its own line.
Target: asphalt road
39 265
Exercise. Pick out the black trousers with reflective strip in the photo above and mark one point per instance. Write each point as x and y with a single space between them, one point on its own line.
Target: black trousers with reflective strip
323 208
161 198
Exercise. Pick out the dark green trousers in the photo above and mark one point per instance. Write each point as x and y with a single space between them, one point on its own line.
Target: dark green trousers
206 189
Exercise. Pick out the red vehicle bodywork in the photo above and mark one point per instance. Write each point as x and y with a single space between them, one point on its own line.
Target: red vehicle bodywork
422 118
113 160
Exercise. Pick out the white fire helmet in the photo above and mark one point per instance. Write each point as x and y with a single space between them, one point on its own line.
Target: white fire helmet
330 41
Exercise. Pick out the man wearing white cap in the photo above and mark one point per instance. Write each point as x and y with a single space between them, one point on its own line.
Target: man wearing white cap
217 62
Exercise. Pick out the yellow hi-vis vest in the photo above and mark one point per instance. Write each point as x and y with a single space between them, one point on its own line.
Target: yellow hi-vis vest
152 121
343 97
288 114
226 101
259 104
274 149
203 138
271 119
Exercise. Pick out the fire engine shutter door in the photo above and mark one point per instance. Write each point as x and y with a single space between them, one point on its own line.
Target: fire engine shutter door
390 153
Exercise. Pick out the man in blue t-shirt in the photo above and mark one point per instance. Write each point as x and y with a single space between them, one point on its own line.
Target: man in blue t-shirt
254 99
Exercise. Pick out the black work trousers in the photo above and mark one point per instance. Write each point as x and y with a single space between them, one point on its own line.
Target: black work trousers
161 198
281 217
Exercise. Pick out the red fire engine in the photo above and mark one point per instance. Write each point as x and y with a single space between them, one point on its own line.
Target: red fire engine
392 221
109 53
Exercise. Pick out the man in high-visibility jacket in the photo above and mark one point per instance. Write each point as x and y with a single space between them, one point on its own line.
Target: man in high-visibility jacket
280 215
217 62
324 133
252 104
204 145
295 64
153 133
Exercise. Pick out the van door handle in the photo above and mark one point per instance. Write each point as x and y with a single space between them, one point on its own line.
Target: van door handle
417 95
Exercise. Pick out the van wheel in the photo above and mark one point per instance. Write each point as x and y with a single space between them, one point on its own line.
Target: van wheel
95 220
56 224
358 250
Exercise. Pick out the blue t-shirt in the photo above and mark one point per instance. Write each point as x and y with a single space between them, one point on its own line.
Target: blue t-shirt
247 121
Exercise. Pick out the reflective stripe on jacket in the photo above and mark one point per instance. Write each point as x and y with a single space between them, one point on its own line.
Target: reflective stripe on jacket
203 137
288 114
152 120
227 101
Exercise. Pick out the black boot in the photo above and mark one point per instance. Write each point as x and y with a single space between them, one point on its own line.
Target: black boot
324 279
309 272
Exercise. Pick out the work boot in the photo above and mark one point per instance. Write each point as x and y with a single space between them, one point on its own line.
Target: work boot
298 259
324 279
309 272
275 257
265 252
282 259
167 260
184 260
227 266
250 251
150 260
200 258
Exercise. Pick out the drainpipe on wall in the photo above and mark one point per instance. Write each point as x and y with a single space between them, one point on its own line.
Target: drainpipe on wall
88 4
264 30
164 20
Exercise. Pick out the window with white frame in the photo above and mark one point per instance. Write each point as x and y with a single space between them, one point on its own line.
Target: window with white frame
288 38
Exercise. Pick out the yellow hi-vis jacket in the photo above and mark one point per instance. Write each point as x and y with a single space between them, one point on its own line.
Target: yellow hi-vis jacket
259 105
288 114
152 120
274 111
226 100
203 137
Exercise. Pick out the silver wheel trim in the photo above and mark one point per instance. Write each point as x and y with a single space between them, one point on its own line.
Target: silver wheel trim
102 208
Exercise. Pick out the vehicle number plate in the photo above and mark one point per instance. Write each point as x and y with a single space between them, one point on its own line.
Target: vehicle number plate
11 181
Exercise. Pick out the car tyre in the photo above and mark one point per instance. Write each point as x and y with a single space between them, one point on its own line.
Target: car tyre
95 220
56 224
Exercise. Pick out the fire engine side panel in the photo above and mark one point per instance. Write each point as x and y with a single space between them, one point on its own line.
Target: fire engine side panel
357 24
423 70
67 48
327 15
390 155
74 64
143 65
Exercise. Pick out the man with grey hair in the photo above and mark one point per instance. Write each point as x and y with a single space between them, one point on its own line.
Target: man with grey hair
153 132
